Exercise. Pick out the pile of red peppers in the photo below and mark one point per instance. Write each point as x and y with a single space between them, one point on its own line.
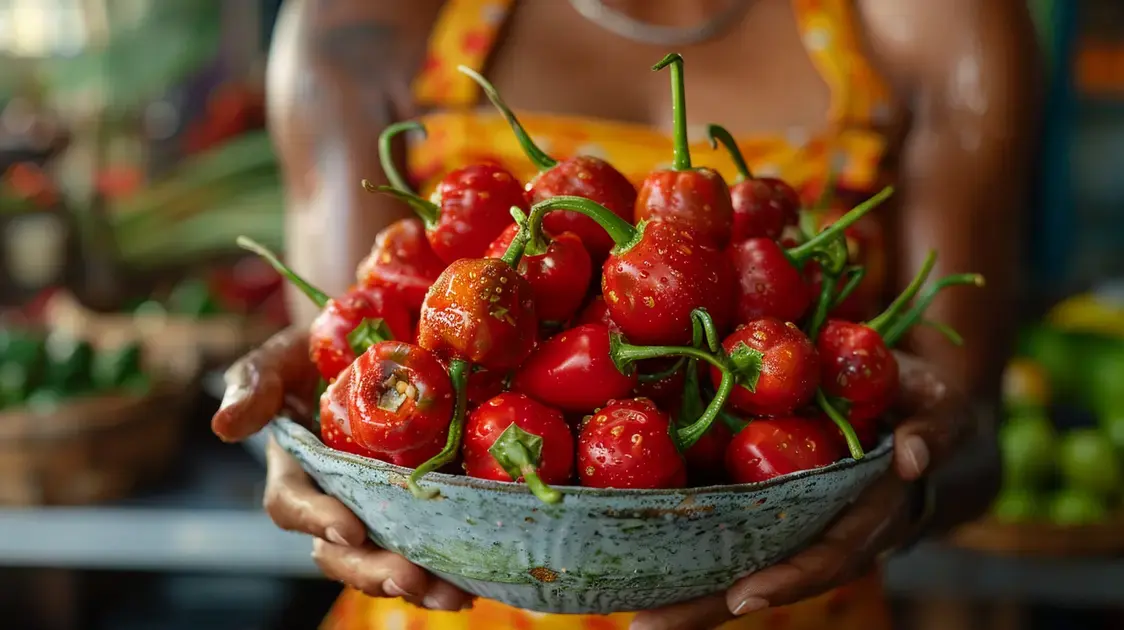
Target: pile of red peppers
714 345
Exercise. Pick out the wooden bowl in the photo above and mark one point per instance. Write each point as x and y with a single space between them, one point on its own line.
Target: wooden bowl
1042 539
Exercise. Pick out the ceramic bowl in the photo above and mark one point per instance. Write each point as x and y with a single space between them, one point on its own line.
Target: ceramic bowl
596 552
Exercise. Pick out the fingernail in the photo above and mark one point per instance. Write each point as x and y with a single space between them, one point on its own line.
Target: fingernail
916 453
432 603
233 395
391 588
333 536
748 605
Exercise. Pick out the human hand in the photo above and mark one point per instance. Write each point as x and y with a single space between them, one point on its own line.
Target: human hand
937 422
259 385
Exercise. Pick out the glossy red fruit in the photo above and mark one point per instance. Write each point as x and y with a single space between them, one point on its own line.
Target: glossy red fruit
767 283
763 208
335 422
559 277
628 445
492 418
705 460
790 367
482 311
401 398
329 347
402 261
475 203
696 200
768 448
651 289
588 177
858 367
572 371
596 312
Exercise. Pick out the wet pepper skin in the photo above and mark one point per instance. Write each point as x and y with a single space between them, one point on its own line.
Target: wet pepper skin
328 345
573 371
559 277
790 368
768 448
475 207
768 284
591 178
482 311
627 445
402 261
858 367
763 208
695 199
490 420
651 289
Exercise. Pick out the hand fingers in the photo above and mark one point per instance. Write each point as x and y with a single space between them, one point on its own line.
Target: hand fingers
845 550
706 613
295 504
937 420
257 385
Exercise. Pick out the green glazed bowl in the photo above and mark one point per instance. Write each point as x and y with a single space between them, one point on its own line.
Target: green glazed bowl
596 552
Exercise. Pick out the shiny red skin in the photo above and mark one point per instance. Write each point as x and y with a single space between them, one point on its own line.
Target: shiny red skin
696 199
790 368
335 423
329 348
596 312
559 276
401 260
491 419
573 371
416 421
763 208
767 283
768 448
482 385
475 207
857 367
591 178
651 289
705 460
667 392
482 311
627 445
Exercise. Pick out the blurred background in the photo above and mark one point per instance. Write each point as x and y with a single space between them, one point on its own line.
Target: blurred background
133 151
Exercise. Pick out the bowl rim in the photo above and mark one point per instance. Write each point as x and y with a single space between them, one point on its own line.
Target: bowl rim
309 439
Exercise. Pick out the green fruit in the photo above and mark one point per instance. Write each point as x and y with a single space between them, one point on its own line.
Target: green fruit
1088 461
1018 506
1027 445
1074 506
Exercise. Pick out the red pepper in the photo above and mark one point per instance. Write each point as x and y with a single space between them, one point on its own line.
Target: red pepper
469 209
581 176
857 364
656 275
512 437
559 276
763 206
596 312
865 248
335 422
771 282
662 387
768 448
573 371
330 340
481 385
706 458
692 198
401 260
628 445
788 372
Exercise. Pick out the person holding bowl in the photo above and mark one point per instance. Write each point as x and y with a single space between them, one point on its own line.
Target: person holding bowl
939 98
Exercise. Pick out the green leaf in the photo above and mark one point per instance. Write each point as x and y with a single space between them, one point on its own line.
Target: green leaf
368 333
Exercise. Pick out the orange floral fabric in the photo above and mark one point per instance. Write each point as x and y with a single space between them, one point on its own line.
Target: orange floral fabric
458 134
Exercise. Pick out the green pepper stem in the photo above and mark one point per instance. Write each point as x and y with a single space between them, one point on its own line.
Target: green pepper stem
828 191
368 333
621 231
458 373
386 152
318 297
625 354
886 319
823 306
537 156
949 332
514 252
682 160
702 326
518 453
913 315
802 252
689 435
659 376
733 423
718 134
854 445
426 210
854 275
